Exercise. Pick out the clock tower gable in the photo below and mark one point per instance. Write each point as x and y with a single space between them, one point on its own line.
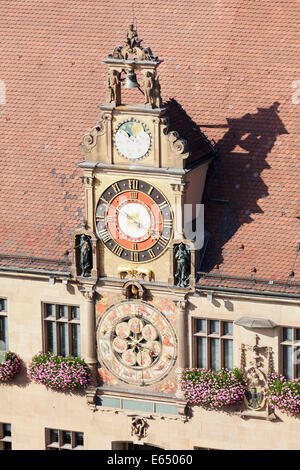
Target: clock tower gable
147 134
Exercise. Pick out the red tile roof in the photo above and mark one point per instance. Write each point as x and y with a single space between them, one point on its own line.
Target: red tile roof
232 66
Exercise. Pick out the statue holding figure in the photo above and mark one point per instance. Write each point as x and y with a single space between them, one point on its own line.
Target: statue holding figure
183 265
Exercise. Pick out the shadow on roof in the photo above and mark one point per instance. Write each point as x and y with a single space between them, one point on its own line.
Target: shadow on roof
234 182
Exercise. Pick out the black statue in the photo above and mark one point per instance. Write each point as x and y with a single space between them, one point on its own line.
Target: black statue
183 266
85 255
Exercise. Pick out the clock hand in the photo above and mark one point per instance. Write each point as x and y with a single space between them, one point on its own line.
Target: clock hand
128 217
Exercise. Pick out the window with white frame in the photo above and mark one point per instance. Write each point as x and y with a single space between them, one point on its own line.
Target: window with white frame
62 329
290 352
213 344
3 325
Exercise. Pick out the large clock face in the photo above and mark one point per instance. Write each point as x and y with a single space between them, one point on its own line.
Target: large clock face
136 342
134 220
132 139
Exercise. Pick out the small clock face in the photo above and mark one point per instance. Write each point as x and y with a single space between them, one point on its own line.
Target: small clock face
136 342
134 220
132 139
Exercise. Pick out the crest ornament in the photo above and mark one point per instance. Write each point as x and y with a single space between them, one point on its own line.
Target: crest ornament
139 427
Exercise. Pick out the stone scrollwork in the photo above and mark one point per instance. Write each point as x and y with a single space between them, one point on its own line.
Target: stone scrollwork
135 272
90 140
178 145
256 365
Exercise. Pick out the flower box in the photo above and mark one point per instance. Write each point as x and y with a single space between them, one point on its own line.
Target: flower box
9 367
59 373
212 389
283 394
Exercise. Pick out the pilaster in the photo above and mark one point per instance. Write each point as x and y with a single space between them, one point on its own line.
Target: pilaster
88 329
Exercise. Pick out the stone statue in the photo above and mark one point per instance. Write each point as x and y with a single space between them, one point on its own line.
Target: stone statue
112 86
117 54
132 37
85 255
139 427
133 46
183 261
156 93
148 88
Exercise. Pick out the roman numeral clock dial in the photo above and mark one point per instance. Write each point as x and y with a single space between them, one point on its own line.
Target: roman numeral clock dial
134 220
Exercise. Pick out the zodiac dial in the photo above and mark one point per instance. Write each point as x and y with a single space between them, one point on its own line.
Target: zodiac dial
134 220
136 342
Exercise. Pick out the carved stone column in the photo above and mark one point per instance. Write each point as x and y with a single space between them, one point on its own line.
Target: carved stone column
88 181
88 330
109 136
156 122
182 334
179 189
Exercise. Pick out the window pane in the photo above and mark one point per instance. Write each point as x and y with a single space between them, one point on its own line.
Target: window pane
3 305
201 353
6 430
75 313
50 310
287 334
53 435
214 327
228 353
51 337
75 340
66 437
297 334
64 339
200 325
297 362
287 362
3 334
78 439
227 328
63 311
215 354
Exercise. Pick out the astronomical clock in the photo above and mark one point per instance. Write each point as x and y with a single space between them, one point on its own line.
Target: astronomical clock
137 343
133 251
